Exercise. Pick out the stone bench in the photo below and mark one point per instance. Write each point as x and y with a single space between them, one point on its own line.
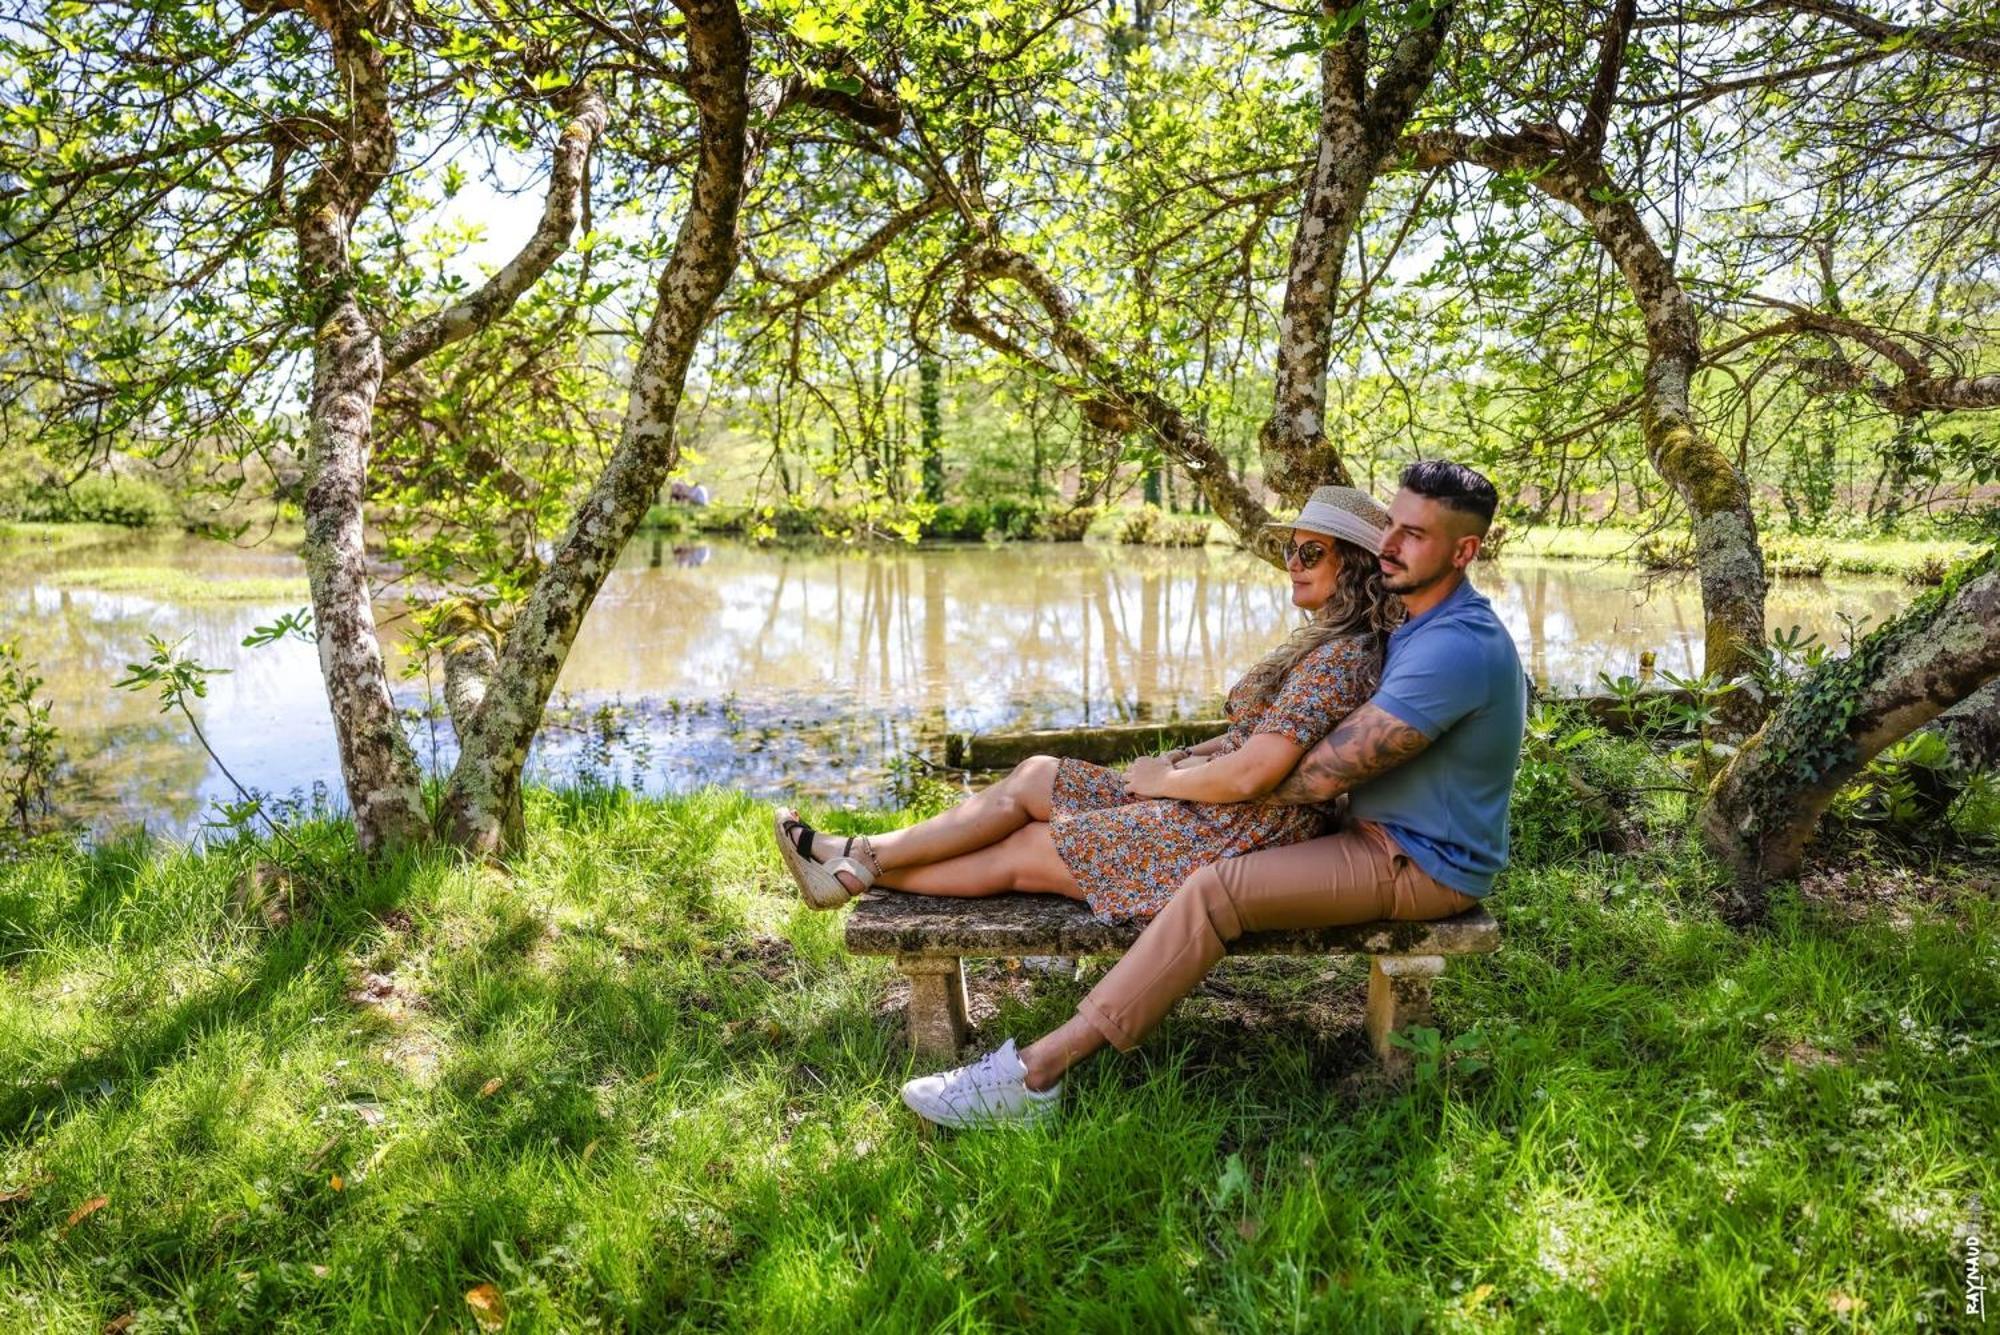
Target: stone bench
930 936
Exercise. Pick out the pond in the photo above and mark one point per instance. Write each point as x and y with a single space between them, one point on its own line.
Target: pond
785 672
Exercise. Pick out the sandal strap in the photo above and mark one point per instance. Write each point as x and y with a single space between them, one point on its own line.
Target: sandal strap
805 843
858 870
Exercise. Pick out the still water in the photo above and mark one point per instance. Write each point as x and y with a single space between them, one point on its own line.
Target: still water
782 672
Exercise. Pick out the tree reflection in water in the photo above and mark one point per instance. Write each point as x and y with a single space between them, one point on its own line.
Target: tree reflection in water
799 671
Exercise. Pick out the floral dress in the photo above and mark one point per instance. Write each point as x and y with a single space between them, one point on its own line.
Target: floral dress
1130 855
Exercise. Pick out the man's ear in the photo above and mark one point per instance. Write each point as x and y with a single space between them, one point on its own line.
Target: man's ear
1467 551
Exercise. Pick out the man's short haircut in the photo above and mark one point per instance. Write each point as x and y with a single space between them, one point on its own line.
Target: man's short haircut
1455 487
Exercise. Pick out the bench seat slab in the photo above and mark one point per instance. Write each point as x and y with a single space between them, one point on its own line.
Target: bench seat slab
887 922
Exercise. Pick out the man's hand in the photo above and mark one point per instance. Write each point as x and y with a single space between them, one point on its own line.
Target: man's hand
1142 777
1368 742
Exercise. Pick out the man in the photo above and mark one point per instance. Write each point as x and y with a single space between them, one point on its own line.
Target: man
1429 762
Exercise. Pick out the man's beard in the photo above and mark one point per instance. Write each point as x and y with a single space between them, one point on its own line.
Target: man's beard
1403 582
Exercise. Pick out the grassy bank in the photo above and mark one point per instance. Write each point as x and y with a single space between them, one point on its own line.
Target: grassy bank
183 586
1920 560
21 535
634 1085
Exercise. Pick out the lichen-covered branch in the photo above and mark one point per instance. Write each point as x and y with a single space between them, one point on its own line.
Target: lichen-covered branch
1763 808
376 763
1108 393
1728 558
560 211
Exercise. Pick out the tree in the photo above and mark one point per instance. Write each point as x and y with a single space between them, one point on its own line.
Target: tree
1765 805
348 85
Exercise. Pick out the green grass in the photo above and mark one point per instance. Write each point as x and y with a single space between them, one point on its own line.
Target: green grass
633 1085
58 537
1786 554
182 586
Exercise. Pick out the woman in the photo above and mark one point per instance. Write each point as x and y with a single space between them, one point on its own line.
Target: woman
1124 843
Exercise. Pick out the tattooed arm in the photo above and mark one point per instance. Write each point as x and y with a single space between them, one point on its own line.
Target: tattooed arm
1368 742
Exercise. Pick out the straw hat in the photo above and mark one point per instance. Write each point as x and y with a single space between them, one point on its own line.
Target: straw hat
1342 512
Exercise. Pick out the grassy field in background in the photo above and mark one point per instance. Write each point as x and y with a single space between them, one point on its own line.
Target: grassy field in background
633 1085
183 586
1785 554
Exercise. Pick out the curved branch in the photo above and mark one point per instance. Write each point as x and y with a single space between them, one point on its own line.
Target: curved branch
1108 393
567 177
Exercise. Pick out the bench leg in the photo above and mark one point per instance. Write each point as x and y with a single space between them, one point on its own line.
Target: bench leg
937 1016
1399 997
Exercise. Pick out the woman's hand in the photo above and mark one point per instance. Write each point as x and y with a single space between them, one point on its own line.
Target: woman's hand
1144 776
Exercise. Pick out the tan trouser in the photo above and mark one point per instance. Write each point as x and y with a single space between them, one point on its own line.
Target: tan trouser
1358 875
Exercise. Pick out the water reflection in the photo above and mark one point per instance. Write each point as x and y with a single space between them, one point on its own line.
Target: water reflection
787 671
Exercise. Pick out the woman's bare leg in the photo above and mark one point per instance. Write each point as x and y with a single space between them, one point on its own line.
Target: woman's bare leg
981 821
1024 860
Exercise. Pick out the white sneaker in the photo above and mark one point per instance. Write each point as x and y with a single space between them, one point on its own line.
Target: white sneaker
991 1091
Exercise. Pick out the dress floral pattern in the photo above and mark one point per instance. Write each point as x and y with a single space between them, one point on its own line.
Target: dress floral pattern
1129 856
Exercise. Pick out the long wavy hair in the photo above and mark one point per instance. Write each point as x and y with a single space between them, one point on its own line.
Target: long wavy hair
1360 606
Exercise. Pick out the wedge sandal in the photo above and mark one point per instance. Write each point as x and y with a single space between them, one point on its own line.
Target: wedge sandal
819 882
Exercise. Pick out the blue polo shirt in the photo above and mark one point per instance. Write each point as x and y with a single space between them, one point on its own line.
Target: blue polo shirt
1454 675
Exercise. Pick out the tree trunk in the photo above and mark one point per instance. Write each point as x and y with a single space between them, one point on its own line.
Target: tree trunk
930 412
1763 808
1971 729
1357 127
483 793
376 763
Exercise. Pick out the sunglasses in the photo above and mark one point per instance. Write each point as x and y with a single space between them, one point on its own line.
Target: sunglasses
1309 554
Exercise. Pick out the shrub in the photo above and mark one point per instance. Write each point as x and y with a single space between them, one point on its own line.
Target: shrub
128 502
29 754
1931 570
1792 557
974 520
1154 527
1658 553
1065 525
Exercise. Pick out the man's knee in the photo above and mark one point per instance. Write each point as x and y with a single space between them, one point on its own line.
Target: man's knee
1204 894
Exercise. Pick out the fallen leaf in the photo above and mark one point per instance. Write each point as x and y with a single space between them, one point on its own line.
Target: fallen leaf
319 1271
1476 1299
490 1088
1249 1227
337 1182
1845 1304
589 1150
117 1324
487 1309
87 1209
